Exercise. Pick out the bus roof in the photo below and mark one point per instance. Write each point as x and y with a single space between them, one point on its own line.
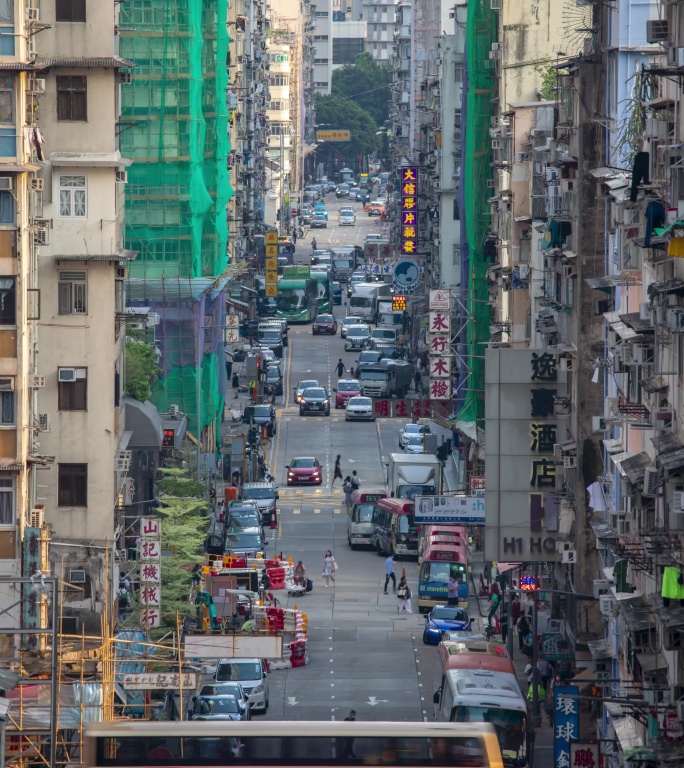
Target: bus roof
294 282
437 552
499 689
474 660
459 647
449 541
398 506
441 529
367 494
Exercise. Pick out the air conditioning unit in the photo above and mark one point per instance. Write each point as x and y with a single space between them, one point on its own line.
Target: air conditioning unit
611 407
44 422
657 30
641 354
77 576
524 270
41 236
600 587
598 424
496 144
491 183
121 555
569 462
122 177
522 157
607 605
38 85
36 185
6 183
66 375
125 78
602 668
495 5
569 556
173 411
673 639
651 482
674 319
664 420
677 505
644 311
122 461
33 14
37 517
36 382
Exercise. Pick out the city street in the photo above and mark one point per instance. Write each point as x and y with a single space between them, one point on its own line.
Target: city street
362 654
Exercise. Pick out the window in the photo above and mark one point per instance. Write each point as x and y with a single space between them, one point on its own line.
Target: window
7 417
278 106
72 197
346 49
71 10
73 292
73 485
458 73
8 301
6 501
278 80
71 97
279 129
321 85
320 37
6 99
320 61
7 214
73 395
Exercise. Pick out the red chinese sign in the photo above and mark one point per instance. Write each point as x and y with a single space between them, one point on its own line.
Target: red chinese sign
408 409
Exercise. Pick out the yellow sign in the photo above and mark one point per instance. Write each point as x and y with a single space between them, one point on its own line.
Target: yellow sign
271 278
271 238
341 135
272 250
271 264
271 291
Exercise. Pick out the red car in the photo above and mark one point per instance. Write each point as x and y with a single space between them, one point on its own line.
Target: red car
346 388
305 469
324 324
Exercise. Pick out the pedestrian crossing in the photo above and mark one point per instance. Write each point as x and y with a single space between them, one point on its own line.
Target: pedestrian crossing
318 493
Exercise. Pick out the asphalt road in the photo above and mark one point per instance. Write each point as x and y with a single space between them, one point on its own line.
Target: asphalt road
363 655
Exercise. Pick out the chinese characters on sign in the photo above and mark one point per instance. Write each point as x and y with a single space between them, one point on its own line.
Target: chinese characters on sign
142 681
405 409
150 571
271 239
522 393
439 345
565 723
409 210
584 754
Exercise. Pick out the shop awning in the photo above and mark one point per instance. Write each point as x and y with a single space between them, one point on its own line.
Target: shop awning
628 733
600 649
651 662
672 460
654 384
631 465
143 420
637 613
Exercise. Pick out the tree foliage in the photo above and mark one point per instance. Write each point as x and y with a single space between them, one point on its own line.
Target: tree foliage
340 113
141 366
367 84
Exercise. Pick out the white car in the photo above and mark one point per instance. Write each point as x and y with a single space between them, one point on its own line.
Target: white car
348 322
251 674
414 444
357 337
373 237
359 409
411 429
347 219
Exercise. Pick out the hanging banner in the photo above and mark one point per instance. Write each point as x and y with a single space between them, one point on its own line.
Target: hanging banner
409 210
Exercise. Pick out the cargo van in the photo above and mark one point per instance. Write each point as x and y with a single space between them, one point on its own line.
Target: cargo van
251 674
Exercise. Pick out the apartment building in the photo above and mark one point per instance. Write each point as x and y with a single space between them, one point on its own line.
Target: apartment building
322 18
380 18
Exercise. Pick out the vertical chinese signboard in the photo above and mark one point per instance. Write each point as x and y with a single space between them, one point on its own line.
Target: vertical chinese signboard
439 345
409 210
150 571
565 722
524 418
584 754
271 239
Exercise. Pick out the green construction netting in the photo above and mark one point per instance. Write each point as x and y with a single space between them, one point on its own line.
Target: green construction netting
481 26
174 127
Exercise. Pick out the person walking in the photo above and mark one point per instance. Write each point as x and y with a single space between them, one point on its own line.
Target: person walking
494 602
340 369
389 573
523 627
314 244
347 488
355 481
452 590
294 235
329 567
503 621
403 597
337 473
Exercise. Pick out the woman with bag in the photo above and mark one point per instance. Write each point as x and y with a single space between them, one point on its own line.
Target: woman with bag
404 597
329 567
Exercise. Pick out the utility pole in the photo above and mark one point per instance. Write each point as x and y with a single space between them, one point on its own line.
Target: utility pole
281 217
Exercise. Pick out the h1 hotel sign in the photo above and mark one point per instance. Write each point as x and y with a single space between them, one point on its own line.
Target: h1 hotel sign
523 422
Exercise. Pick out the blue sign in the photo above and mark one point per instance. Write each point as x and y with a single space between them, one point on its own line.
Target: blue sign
406 274
565 722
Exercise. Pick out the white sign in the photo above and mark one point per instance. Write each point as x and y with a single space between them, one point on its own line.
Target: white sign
232 321
129 491
150 573
150 550
161 681
439 367
456 510
440 322
440 300
150 527
439 344
150 595
150 617
234 647
232 335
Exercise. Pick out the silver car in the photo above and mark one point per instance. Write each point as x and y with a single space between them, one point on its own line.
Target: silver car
347 219
359 409
408 430
348 322
414 444
227 689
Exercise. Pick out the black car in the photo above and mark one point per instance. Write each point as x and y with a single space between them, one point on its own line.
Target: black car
315 400
274 380
337 293
260 415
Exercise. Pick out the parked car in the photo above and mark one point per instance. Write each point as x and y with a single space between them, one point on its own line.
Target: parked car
348 321
246 542
444 618
216 708
301 386
324 324
251 674
319 221
274 379
415 444
315 400
359 409
265 496
408 430
373 237
243 513
304 469
260 415
346 388
228 689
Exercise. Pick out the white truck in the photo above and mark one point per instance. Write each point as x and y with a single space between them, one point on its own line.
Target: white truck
364 299
413 475
390 318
